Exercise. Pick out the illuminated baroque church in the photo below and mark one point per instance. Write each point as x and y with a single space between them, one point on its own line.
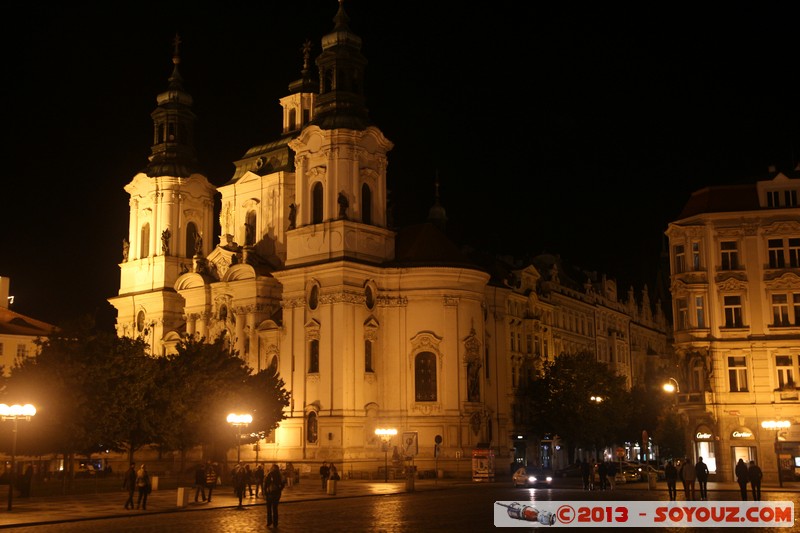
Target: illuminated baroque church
368 326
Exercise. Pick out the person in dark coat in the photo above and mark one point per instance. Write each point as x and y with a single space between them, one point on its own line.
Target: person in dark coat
258 477
754 474
199 482
129 484
602 473
211 479
701 469
742 478
585 471
671 475
273 486
239 478
324 473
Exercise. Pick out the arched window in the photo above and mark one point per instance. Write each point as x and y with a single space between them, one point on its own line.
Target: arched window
144 242
425 377
313 356
312 433
272 369
250 229
191 235
316 204
366 204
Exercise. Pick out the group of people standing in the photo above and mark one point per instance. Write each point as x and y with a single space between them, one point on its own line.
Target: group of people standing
690 474
751 474
137 481
606 471
328 473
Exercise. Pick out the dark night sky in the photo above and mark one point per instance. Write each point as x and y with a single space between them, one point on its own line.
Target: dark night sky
552 128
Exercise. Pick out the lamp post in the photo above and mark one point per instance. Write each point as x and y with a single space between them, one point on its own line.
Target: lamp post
386 435
238 422
14 413
776 426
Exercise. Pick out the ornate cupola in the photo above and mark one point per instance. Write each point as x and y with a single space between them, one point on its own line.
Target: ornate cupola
341 102
173 152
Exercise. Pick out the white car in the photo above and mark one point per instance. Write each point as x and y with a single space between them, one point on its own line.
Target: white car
531 476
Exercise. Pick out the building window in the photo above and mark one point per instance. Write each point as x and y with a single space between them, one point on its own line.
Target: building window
682 318
316 204
313 356
680 259
776 257
1 348
312 432
794 253
144 242
730 255
292 119
732 306
696 376
22 350
366 204
368 356
790 198
773 198
529 342
313 297
695 256
191 243
425 377
737 374
786 371
796 308
700 311
512 337
250 228
780 310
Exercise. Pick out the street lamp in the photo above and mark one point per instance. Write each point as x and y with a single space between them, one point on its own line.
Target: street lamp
239 421
672 385
386 435
776 426
14 413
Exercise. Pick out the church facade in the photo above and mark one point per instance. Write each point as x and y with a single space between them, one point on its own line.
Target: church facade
370 327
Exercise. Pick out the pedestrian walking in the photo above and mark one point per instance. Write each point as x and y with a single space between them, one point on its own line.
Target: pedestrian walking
289 474
688 476
249 478
742 478
671 475
239 480
585 473
258 477
754 474
701 470
199 482
143 486
324 473
273 486
129 484
211 479
602 474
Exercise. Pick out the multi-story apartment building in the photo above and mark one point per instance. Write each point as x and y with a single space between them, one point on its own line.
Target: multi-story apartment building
18 333
539 312
735 283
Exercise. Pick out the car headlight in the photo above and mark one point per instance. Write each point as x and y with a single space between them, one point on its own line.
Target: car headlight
549 479
532 479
